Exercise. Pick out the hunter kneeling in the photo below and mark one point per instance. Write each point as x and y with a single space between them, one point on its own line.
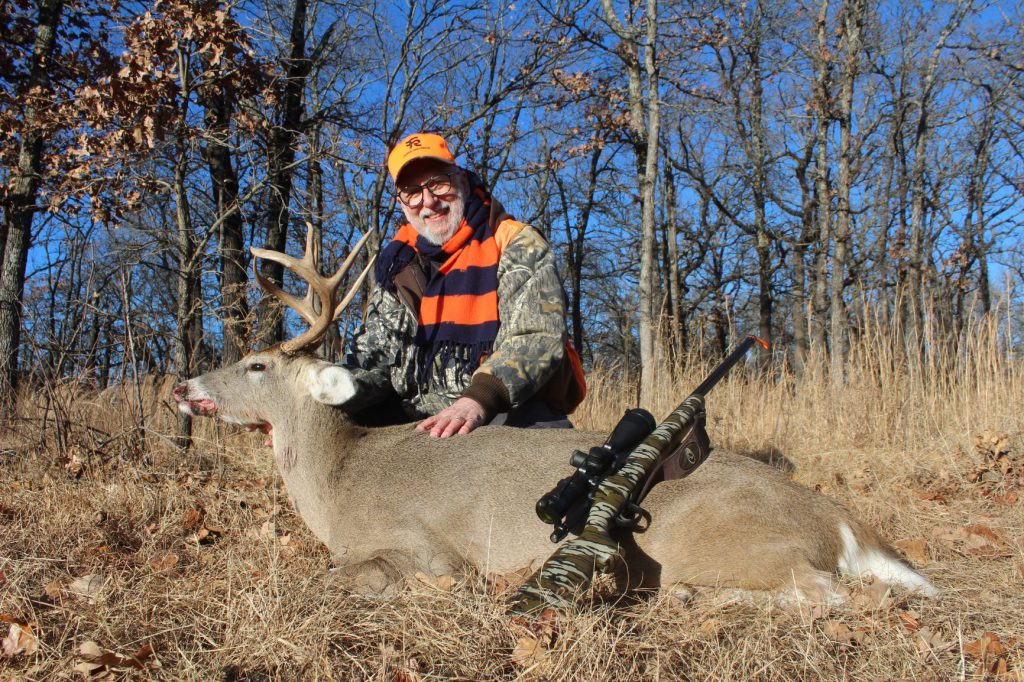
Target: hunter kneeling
467 324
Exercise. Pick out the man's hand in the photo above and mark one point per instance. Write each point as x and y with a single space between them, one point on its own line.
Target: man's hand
464 415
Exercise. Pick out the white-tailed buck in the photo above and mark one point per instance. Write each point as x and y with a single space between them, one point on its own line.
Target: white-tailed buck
390 502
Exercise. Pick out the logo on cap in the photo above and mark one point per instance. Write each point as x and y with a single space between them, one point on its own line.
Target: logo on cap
416 146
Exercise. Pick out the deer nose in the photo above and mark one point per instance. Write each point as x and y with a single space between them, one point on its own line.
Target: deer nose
179 392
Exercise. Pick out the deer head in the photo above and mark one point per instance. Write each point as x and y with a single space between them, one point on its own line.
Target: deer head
245 393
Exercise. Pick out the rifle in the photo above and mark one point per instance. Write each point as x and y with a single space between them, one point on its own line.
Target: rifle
608 486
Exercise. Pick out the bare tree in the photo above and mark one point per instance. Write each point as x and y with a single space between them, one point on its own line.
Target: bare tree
19 203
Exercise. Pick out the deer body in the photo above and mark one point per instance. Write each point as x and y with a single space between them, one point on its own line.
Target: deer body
391 502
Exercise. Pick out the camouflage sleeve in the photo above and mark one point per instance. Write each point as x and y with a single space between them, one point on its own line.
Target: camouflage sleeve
531 340
376 348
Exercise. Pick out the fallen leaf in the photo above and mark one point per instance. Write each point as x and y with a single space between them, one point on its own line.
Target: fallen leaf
862 480
52 589
208 534
984 531
88 586
545 626
90 649
984 542
910 620
709 629
915 549
932 496
499 584
96 657
164 562
948 535
930 641
93 671
991 444
528 651
193 518
841 633
19 640
986 645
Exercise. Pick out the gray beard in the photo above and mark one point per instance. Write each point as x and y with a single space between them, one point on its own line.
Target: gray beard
457 209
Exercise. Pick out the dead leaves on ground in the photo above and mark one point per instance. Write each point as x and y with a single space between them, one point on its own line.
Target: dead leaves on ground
915 549
998 475
988 654
976 540
444 583
195 520
89 587
21 638
992 656
992 472
100 664
536 637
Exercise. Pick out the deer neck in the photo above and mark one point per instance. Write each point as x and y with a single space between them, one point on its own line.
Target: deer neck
311 447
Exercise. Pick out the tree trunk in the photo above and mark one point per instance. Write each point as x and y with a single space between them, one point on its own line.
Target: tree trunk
641 63
281 170
822 190
918 243
853 19
675 295
234 281
184 339
19 207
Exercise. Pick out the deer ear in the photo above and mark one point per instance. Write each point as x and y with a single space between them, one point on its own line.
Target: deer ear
330 384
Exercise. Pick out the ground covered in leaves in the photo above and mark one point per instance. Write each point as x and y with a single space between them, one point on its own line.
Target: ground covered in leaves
197 568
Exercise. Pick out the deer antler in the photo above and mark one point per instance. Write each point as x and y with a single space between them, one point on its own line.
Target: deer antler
324 287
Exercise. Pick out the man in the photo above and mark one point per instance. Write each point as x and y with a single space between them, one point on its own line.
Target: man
467 324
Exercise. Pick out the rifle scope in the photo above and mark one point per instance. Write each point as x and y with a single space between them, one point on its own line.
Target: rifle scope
635 425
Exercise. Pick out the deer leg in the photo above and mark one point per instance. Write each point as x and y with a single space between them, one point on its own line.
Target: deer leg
379 576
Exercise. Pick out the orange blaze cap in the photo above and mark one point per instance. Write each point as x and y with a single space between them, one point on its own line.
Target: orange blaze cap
418 146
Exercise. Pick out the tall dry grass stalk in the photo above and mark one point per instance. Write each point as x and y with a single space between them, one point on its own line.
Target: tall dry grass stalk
895 395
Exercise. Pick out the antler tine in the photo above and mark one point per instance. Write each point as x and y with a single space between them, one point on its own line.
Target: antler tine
347 265
304 268
325 288
354 288
293 302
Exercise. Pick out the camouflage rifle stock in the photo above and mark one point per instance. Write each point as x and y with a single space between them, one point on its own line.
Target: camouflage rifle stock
570 570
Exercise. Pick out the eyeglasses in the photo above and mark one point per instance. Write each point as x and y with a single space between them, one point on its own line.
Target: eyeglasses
439 186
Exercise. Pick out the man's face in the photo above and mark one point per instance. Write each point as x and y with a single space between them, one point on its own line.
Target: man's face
438 217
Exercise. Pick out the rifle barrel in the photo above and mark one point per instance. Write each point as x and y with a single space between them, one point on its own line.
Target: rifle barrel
723 368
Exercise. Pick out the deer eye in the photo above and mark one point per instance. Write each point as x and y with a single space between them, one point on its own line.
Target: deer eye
257 367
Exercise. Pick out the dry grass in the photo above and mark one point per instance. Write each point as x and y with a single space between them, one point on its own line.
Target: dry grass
202 558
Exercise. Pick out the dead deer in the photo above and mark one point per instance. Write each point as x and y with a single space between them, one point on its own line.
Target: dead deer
390 502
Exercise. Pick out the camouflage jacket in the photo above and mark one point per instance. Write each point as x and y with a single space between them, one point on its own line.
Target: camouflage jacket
529 347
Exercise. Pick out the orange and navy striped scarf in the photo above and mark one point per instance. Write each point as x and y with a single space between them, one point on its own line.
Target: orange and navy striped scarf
458 316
